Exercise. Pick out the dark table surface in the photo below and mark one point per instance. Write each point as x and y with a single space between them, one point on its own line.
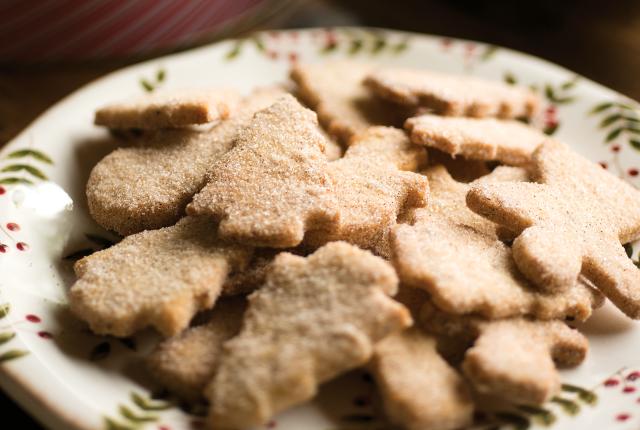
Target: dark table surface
599 41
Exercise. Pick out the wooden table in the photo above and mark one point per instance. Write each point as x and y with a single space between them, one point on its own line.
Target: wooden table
599 41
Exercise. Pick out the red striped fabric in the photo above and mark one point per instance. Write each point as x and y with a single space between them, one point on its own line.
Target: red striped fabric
84 38
32 30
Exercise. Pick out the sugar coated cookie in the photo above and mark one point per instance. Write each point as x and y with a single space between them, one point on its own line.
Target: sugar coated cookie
316 317
168 109
507 141
344 106
453 95
157 278
572 221
273 185
419 390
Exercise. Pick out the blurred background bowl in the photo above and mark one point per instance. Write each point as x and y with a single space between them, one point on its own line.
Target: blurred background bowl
52 30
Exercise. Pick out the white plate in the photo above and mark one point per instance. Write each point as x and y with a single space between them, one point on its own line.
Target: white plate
71 379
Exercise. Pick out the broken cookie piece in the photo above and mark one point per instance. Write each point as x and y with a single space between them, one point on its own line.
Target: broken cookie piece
157 278
419 390
315 318
169 109
185 363
507 141
453 95
273 186
514 359
525 371
344 106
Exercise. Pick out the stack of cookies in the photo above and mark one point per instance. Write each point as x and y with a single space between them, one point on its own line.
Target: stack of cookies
420 229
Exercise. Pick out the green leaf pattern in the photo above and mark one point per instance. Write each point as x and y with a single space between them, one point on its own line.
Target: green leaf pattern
38 155
27 168
15 181
571 407
138 414
561 94
369 42
4 309
129 414
149 405
23 166
149 85
554 94
12 355
619 120
523 417
6 337
349 41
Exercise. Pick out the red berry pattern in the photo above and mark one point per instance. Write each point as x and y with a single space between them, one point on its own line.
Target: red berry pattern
622 417
633 376
7 230
616 166
611 382
623 381
33 318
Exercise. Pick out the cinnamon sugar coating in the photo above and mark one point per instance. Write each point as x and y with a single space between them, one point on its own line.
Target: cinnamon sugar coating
157 278
572 222
453 95
148 186
315 318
